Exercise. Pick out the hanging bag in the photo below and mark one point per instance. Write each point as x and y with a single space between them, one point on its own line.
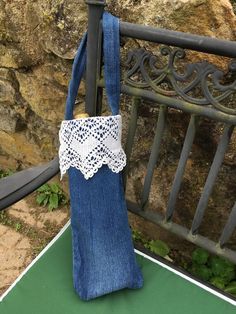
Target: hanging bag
90 149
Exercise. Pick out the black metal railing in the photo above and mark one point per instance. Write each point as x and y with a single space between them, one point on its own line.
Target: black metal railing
141 82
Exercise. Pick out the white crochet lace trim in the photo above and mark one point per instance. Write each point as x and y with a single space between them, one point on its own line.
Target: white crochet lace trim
89 143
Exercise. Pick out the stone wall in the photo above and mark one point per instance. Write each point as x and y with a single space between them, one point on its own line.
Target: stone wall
38 40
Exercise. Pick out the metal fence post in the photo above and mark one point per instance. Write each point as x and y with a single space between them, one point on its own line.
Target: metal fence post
95 11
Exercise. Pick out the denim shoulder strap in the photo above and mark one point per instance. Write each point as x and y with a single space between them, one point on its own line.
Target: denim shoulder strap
111 50
76 76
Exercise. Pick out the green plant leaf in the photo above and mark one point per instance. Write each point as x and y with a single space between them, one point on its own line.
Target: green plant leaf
43 188
46 200
9 172
53 201
138 236
231 288
51 195
229 274
40 198
218 282
55 188
159 247
18 226
200 256
5 173
201 271
222 268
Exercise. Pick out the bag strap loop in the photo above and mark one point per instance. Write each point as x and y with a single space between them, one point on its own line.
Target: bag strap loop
111 51
78 69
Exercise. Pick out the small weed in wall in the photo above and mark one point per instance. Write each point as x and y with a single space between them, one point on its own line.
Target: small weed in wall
5 173
51 195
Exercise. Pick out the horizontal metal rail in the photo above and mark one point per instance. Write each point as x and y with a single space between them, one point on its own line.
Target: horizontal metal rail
179 39
205 111
22 183
182 232
96 2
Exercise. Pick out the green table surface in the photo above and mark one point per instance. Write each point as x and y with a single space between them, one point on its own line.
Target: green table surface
47 289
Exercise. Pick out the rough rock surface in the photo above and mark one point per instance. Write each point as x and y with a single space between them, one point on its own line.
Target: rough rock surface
38 39
203 17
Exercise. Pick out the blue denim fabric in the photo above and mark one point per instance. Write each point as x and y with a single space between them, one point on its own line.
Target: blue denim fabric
103 253
76 76
111 53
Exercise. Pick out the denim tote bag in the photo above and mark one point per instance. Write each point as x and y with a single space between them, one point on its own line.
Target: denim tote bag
90 149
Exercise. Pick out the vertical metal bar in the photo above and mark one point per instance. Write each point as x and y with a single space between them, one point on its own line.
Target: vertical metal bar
99 72
95 11
215 167
154 154
229 227
181 166
130 136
